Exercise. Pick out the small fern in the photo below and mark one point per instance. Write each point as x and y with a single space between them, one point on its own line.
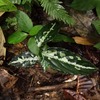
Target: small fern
56 10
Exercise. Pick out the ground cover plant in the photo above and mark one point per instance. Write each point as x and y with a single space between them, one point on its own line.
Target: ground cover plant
49 36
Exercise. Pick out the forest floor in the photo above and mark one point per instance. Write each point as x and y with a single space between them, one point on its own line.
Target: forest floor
35 84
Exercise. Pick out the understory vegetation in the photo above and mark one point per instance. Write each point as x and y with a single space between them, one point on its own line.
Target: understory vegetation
43 39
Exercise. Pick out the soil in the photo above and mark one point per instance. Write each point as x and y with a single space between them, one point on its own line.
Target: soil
34 83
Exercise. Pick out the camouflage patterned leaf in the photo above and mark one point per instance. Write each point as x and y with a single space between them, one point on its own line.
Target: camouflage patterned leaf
26 59
47 33
67 62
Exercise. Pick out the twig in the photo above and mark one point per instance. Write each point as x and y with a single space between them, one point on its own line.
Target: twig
54 87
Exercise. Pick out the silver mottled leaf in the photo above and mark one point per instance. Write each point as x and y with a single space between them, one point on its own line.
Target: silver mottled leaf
67 62
47 33
26 59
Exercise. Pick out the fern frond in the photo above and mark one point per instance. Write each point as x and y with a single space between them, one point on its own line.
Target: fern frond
56 10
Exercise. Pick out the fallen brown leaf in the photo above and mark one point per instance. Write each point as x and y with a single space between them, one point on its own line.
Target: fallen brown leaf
84 84
83 22
1 13
6 80
82 40
72 95
2 48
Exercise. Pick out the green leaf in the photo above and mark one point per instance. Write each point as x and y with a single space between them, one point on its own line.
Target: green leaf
67 62
17 37
47 33
56 11
98 7
60 37
35 29
24 1
11 21
83 4
98 10
25 59
33 46
6 5
24 22
87 5
96 24
20 1
2 3
97 46
16 1
45 64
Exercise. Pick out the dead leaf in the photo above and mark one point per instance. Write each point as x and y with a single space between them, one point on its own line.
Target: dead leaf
72 95
82 40
1 13
93 94
18 48
2 48
83 22
84 84
6 80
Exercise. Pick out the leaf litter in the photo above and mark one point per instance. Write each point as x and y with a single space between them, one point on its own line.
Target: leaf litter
16 82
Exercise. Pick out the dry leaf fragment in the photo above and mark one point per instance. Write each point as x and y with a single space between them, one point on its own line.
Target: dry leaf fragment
85 84
1 13
83 22
2 48
82 40
72 95
6 80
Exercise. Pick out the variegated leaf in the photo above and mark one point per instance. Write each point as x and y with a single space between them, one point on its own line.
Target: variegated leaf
45 64
26 59
47 33
67 62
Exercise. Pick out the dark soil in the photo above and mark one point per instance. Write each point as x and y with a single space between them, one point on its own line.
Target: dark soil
31 80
